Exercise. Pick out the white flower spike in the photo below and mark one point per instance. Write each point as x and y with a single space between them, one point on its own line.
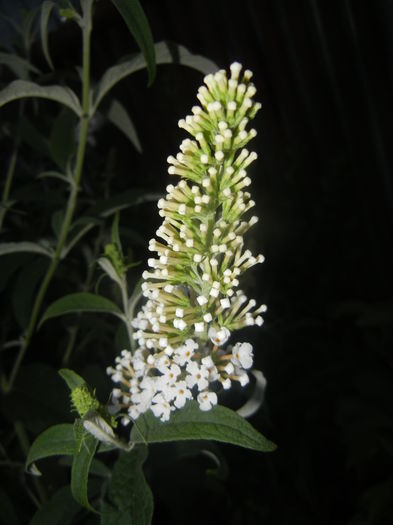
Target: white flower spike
193 304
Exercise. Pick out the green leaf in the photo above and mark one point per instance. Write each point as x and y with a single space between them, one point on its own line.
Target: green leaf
62 138
54 175
29 26
80 302
59 510
115 236
28 133
72 379
110 270
32 247
107 207
58 440
119 117
57 222
129 497
80 470
218 424
135 18
18 65
46 10
23 89
9 265
165 54
77 231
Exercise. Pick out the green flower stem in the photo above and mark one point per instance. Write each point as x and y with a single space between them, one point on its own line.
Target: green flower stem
71 204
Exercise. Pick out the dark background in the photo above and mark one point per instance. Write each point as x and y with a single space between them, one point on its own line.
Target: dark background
323 188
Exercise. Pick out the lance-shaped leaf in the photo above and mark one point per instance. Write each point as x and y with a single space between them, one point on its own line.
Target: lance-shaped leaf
218 424
109 269
80 470
46 10
165 54
129 497
117 114
24 89
107 207
80 302
72 379
32 247
58 440
138 25
54 175
18 65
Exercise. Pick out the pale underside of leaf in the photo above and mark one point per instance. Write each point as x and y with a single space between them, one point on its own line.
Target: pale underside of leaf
31 247
23 89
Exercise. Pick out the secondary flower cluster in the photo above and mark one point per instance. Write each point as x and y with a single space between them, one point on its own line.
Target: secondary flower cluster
193 301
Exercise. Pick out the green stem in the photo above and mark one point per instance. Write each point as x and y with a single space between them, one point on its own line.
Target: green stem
71 204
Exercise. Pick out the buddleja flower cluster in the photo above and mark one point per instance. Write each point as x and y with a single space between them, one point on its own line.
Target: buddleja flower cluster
193 301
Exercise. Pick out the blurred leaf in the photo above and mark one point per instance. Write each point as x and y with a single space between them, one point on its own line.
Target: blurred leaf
135 18
115 237
28 132
109 269
80 302
106 207
80 470
56 222
165 54
62 138
117 114
46 10
376 314
58 440
54 175
9 265
134 298
32 401
59 510
129 495
72 379
18 65
77 231
24 290
23 89
29 27
218 424
7 515
32 247
256 400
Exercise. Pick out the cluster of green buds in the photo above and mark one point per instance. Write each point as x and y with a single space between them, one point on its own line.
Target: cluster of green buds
193 301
